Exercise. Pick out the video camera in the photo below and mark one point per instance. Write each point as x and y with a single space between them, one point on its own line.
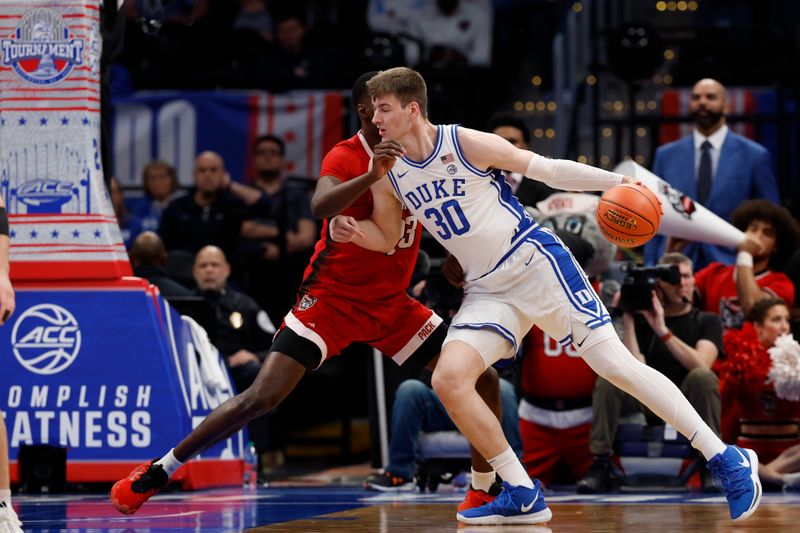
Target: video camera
639 282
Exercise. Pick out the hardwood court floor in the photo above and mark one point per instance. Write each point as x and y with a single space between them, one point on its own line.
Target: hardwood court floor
331 508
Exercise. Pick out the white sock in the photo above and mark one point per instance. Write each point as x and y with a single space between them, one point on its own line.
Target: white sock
482 480
169 463
707 443
612 361
509 468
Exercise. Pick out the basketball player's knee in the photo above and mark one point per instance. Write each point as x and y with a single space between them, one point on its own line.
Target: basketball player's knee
448 383
618 374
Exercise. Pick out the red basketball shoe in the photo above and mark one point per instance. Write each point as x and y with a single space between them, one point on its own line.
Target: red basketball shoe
476 498
128 494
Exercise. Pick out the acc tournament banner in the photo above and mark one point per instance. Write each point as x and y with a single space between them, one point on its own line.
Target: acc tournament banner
176 126
107 390
62 223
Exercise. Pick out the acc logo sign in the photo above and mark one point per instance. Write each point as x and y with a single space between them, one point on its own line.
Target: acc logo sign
42 50
46 339
45 195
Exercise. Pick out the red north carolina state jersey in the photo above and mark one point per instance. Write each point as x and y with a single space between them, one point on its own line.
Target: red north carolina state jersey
553 371
718 288
345 269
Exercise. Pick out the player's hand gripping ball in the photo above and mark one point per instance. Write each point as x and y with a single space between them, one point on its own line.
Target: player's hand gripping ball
628 215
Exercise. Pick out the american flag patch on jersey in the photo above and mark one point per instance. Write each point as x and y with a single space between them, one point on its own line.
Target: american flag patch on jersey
446 159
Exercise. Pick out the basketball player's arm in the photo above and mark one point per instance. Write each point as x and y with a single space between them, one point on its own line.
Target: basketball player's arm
486 150
7 300
332 195
379 233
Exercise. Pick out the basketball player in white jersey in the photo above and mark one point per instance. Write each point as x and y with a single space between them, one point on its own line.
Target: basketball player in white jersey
517 274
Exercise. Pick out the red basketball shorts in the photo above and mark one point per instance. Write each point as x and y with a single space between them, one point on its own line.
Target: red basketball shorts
397 326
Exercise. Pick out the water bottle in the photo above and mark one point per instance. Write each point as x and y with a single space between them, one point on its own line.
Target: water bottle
250 457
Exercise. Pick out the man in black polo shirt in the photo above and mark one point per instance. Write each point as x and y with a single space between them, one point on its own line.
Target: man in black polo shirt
679 341
208 215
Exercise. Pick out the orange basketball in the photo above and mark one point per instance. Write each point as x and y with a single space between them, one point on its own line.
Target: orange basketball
628 215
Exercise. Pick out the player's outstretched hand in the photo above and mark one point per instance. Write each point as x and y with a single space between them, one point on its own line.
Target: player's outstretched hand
345 229
384 155
7 300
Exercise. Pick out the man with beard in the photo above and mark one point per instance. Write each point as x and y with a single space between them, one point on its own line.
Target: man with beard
717 167
279 235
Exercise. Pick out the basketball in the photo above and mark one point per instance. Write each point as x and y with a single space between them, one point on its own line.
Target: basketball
628 215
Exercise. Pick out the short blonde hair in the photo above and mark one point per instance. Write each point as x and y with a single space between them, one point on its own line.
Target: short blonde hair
404 83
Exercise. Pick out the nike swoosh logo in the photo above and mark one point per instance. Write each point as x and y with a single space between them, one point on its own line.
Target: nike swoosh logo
528 262
744 462
526 508
579 344
401 175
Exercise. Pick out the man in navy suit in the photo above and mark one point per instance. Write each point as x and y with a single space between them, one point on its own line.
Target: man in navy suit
715 166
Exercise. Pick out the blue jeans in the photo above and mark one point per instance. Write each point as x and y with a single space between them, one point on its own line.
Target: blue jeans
417 409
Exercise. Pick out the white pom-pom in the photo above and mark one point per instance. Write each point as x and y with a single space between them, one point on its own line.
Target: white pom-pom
784 374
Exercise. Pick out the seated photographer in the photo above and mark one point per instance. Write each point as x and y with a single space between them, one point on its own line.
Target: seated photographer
671 336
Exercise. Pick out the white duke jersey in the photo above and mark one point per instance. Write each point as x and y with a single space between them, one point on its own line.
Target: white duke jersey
471 212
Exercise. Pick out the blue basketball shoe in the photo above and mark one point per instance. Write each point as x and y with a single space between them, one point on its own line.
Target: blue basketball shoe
736 472
514 505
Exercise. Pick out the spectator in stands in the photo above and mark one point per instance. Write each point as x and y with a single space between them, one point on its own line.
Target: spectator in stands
129 224
515 131
295 62
243 337
254 16
281 231
677 340
417 409
148 257
762 402
159 183
8 518
208 215
715 166
771 237
455 33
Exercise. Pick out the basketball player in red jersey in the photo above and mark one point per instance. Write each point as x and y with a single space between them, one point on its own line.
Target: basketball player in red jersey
348 294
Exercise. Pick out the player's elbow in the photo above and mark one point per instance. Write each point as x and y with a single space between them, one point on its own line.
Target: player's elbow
319 208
